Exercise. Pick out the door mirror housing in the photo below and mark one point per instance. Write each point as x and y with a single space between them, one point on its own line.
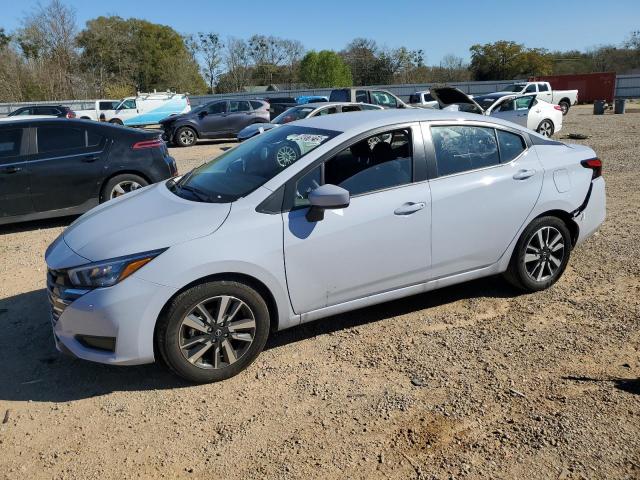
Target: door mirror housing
326 197
203 113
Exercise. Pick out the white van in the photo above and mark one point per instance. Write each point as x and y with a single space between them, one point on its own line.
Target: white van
148 108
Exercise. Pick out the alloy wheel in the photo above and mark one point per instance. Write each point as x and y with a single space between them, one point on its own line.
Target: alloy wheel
545 129
217 332
187 137
286 155
123 188
544 254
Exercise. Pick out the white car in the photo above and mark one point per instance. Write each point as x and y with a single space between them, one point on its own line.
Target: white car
422 99
379 205
563 98
525 110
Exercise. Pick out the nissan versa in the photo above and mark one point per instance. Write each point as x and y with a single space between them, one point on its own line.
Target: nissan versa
367 207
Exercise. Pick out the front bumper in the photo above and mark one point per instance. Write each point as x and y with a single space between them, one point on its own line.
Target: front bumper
119 319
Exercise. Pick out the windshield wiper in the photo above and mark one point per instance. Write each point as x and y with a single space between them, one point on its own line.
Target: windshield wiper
199 194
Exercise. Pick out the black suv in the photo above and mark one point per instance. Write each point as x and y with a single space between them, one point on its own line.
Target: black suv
217 119
59 111
58 167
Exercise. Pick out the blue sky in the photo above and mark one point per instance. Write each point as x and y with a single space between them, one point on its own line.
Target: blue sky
437 27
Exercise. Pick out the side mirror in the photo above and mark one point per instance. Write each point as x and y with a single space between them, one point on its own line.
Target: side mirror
326 197
203 113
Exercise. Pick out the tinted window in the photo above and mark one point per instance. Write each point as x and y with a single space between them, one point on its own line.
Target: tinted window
256 105
10 142
511 145
542 87
341 95
463 148
21 111
351 108
218 107
107 105
47 111
531 88
376 163
93 139
414 98
361 96
428 97
51 139
239 106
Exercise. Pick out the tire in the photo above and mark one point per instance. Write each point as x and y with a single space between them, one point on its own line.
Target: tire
116 121
565 106
185 137
126 182
546 128
184 325
287 153
532 275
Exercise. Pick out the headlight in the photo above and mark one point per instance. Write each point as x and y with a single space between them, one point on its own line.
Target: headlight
109 272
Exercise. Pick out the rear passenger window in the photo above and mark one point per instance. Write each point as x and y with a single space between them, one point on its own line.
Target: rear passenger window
239 106
542 87
256 105
52 139
93 139
511 145
463 148
10 142
361 96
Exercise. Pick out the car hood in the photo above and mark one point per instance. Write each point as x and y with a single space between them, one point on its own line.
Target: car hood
446 96
147 219
252 129
173 118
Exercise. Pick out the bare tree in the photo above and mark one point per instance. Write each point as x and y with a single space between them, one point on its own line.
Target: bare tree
293 51
209 46
237 61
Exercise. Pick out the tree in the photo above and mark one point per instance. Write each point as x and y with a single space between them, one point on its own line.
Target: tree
237 62
210 47
369 65
4 39
506 60
324 69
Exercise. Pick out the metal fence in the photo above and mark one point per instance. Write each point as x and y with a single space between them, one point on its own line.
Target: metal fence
627 86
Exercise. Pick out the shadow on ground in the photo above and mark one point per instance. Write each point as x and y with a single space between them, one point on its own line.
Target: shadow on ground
32 369
629 385
36 225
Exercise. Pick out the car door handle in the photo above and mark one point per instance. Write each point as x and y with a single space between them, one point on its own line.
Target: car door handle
11 170
90 158
523 174
409 208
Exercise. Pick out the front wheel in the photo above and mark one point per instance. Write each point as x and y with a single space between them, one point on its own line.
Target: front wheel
213 331
541 255
185 137
545 128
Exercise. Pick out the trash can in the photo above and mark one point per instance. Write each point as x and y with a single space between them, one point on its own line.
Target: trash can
619 105
598 107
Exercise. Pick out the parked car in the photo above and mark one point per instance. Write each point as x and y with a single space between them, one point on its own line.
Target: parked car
525 110
277 105
148 108
365 95
218 119
301 100
564 98
25 117
59 111
304 111
379 205
58 167
99 110
422 99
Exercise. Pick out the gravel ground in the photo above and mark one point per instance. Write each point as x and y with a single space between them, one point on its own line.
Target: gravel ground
473 381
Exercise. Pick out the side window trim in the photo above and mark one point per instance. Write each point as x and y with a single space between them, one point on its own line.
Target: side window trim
419 166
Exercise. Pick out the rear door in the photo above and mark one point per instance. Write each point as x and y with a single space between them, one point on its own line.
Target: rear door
240 115
544 92
485 182
15 198
66 167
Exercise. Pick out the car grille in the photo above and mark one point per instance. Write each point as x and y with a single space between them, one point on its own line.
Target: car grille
61 292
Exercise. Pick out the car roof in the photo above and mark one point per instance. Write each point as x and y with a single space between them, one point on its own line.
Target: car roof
359 122
329 104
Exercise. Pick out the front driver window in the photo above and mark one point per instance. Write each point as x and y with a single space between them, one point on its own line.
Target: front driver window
376 163
524 103
531 88
506 106
218 107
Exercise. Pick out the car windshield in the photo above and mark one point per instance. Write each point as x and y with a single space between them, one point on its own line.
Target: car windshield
516 87
292 114
249 165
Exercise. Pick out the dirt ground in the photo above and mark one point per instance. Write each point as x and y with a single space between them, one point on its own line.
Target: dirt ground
473 381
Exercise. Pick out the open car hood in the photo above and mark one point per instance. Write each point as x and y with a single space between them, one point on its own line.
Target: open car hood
448 96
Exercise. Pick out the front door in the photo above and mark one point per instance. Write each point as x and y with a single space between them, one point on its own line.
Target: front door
379 243
15 197
67 167
213 120
487 181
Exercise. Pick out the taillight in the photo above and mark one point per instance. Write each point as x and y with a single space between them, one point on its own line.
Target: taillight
155 143
594 164
557 107
70 114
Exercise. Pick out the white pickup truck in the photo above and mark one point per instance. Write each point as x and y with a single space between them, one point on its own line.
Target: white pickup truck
563 98
101 109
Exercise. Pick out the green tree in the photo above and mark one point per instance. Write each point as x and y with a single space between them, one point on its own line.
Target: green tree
506 60
324 69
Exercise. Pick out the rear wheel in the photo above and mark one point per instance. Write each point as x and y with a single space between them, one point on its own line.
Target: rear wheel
121 185
564 105
116 121
185 137
541 255
545 128
213 331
